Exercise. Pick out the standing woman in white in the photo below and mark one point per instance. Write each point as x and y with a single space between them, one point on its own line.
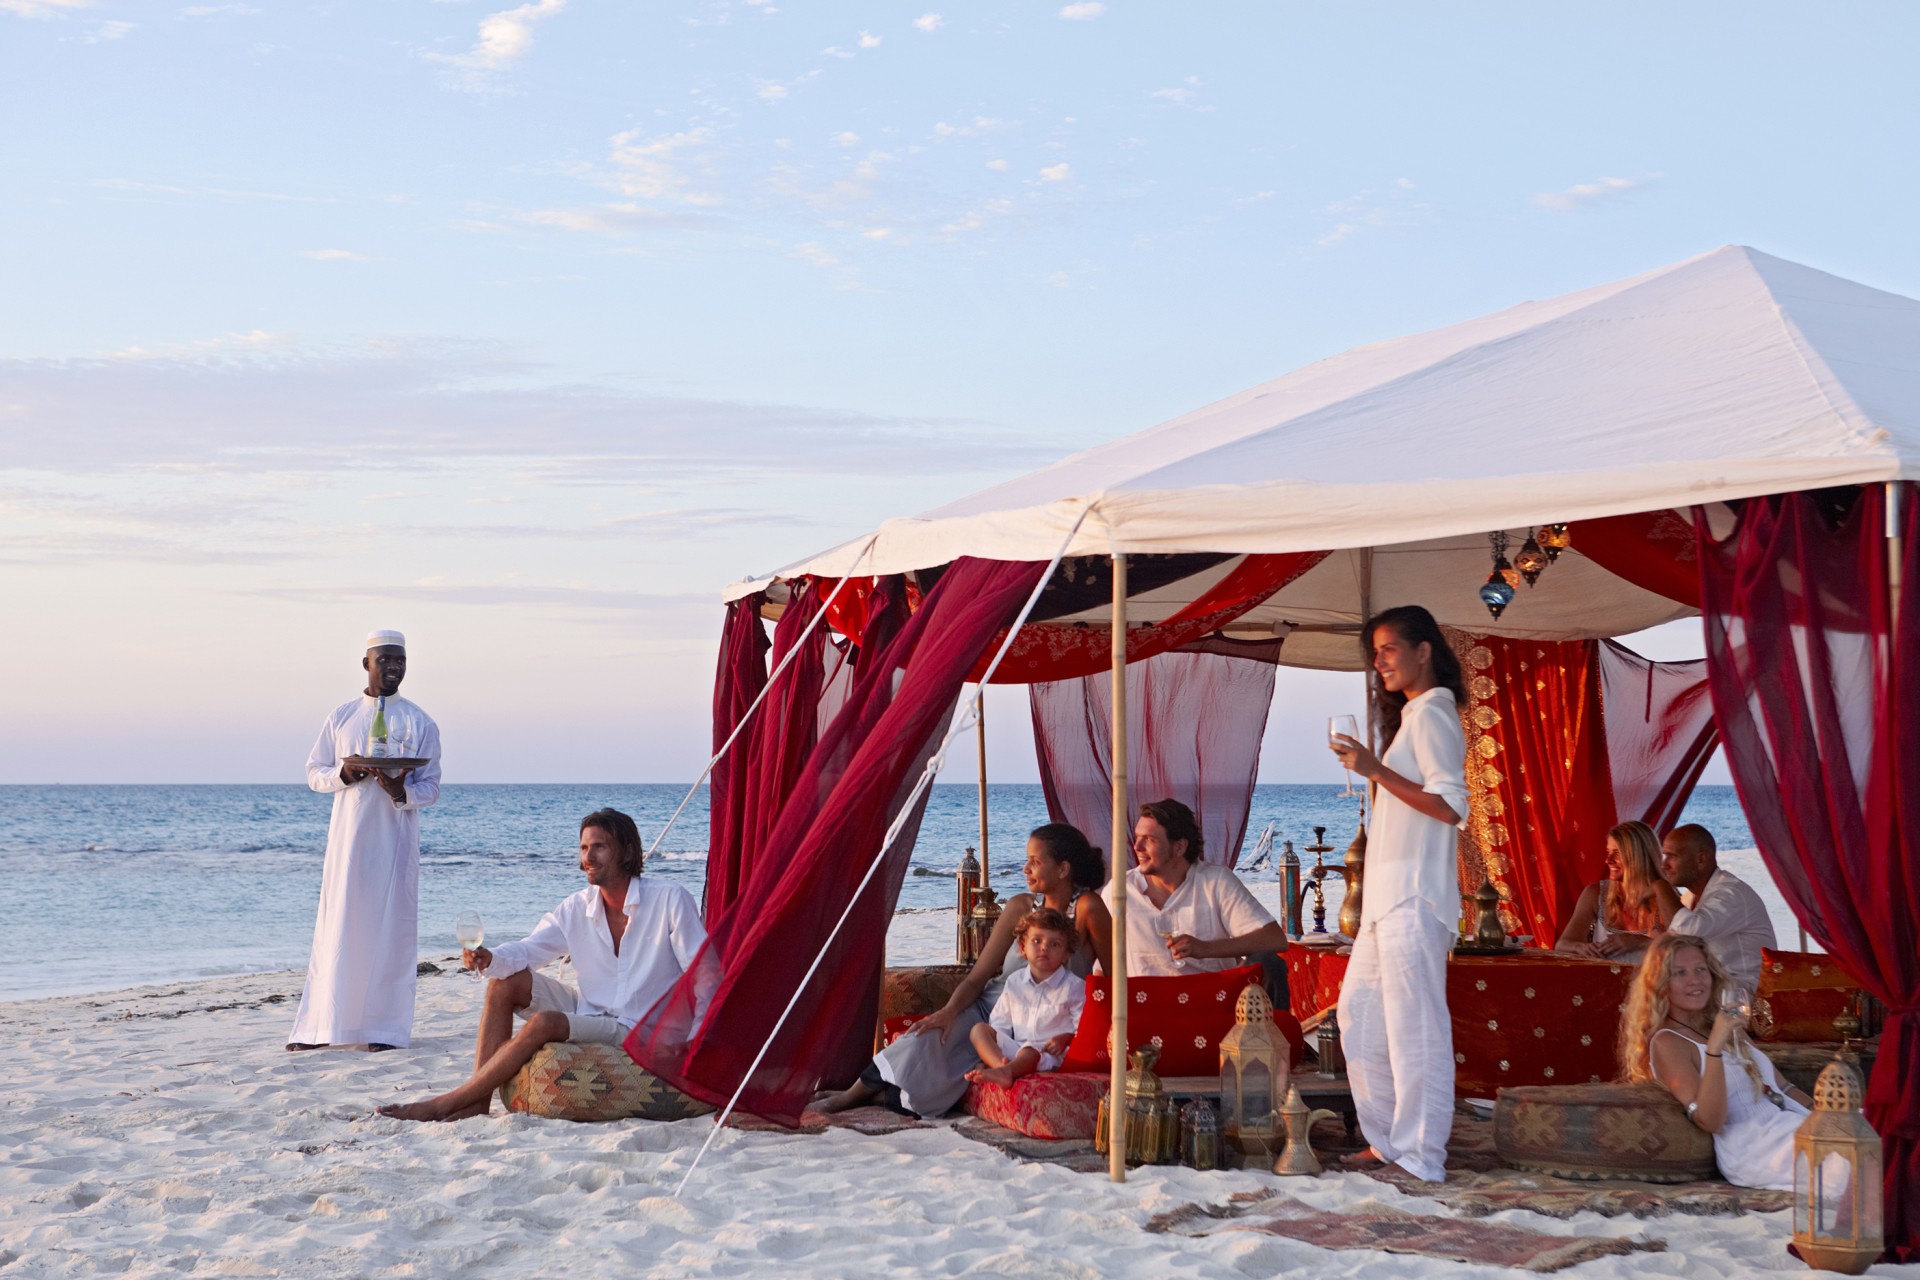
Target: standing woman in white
366 944
1393 1003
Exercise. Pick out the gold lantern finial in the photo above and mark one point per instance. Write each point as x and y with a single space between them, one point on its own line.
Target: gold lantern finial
1837 1191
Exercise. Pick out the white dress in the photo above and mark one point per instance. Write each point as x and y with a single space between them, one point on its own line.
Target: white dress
1754 1148
366 946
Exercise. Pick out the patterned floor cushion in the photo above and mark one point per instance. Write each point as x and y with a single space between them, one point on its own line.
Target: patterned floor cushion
594 1082
1046 1104
918 991
1632 1131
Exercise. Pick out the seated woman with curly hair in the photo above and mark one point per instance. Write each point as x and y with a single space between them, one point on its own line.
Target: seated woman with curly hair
1675 1031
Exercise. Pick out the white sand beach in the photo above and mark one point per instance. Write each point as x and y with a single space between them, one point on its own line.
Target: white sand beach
163 1131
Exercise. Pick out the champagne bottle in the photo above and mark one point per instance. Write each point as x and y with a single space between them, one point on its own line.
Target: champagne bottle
377 735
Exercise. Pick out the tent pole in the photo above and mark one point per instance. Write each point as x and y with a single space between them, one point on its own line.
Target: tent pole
1118 861
980 741
1366 611
1895 553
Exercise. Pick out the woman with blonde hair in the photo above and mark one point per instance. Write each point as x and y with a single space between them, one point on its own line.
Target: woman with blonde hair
1617 917
1676 1031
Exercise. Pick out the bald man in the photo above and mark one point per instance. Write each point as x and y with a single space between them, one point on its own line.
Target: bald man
1723 908
366 943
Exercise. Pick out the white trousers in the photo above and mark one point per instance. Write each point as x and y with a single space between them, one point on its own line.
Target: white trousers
1398 1038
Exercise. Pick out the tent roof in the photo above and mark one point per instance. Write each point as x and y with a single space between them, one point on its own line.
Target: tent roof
1729 375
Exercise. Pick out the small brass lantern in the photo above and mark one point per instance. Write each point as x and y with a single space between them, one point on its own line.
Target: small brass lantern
966 886
1253 1075
1153 1126
980 921
1837 1186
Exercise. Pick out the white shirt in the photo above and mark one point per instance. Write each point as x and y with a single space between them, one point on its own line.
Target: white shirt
1410 855
1211 903
663 934
1032 1013
1733 920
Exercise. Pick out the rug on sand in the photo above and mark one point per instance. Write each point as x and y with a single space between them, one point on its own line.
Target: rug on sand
1373 1225
1477 1193
872 1121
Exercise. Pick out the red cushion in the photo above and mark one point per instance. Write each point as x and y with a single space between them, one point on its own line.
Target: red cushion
1185 1015
1046 1104
1799 1017
1801 971
892 1029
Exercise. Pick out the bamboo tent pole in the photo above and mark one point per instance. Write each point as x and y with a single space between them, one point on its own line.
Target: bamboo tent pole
1119 861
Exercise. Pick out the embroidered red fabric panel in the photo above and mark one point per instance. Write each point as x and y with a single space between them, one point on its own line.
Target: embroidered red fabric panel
1185 1016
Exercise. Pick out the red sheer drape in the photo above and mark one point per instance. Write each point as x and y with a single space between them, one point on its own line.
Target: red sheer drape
1054 651
1194 722
738 679
1539 797
1659 732
1817 692
789 723
1651 549
709 1027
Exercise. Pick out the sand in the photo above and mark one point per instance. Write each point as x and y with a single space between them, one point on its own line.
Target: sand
163 1131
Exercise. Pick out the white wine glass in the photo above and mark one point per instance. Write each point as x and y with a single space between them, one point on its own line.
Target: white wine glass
1166 938
468 927
1735 1000
1344 726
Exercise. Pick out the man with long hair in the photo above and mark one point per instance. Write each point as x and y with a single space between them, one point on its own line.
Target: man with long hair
630 939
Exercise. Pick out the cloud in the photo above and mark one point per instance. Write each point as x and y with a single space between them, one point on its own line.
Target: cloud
218 193
620 219
215 10
772 92
42 8
661 167
108 29
1084 11
1338 234
1185 95
998 166
492 595
929 22
334 255
504 39
1060 280
1056 172
812 252
1582 194
846 139
868 40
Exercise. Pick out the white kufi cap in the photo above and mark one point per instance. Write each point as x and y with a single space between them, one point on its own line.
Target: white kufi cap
380 639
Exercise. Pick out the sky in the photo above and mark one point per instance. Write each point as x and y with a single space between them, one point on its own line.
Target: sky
525 329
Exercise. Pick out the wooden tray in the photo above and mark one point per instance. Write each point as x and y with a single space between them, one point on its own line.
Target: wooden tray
388 762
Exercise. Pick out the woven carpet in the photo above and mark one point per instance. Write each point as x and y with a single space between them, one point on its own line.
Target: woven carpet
1372 1225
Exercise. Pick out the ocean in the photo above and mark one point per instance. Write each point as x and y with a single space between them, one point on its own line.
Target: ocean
105 887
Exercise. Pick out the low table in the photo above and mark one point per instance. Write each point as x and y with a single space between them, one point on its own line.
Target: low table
1317 1089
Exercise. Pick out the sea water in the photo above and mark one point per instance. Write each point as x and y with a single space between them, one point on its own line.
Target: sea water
104 887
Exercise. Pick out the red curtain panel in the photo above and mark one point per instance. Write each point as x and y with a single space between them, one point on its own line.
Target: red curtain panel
1194 722
788 724
740 676
1652 549
1817 690
1660 732
706 1032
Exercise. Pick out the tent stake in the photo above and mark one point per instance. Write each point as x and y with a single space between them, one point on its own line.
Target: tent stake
1119 859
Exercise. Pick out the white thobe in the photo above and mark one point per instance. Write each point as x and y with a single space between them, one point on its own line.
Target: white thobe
1394 1024
366 945
1735 923
663 935
1211 903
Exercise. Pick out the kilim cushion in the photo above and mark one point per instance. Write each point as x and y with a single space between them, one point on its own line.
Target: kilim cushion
1631 1131
1046 1104
920 990
1185 1016
594 1082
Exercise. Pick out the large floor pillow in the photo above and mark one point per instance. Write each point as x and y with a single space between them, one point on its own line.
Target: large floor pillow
1631 1131
918 991
1185 1016
594 1082
1046 1104
1799 996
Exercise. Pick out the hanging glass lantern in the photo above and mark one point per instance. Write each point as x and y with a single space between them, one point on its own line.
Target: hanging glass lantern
1253 1075
1496 593
1531 560
1553 539
1837 1191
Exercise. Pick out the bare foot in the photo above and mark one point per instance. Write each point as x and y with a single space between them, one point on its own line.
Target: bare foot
430 1110
1002 1075
297 1047
857 1095
381 1048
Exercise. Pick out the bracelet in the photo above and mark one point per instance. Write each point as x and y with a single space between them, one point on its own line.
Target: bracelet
1712 1054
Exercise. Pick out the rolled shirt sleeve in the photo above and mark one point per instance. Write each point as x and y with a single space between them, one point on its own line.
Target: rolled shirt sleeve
1440 746
548 941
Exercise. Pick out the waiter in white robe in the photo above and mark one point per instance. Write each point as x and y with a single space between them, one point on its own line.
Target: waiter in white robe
360 977
1394 1023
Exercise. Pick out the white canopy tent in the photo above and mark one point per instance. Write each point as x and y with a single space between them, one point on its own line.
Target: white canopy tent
1726 376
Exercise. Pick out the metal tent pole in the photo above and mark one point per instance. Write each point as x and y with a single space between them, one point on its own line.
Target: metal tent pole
1117 885
980 739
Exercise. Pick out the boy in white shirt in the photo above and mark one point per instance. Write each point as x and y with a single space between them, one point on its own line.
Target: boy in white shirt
1033 1020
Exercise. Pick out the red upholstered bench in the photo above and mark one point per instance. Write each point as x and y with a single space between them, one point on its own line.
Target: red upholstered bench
1046 1104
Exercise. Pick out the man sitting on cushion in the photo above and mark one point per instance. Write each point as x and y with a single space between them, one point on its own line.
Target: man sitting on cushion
1184 915
630 940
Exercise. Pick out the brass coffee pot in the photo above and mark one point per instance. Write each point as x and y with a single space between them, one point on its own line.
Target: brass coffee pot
1296 1122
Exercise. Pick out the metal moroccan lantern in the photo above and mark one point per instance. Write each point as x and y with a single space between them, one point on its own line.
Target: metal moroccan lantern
1837 1190
1199 1136
1144 1097
1553 539
966 885
1531 561
1253 1075
980 921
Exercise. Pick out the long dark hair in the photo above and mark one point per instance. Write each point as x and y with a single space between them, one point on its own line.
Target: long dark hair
1415 627
626 838
1179 823
1066 843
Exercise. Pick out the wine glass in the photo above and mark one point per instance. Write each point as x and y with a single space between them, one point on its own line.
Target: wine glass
468 927
1735 1000
1166 938
1344 726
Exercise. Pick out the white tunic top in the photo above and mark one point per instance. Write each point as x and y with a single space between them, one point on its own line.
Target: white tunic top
663 934
1032 1013
366 946
1210 904
1410 855
1733 920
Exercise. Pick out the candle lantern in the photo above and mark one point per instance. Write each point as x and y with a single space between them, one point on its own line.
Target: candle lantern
966 885
1837 1188
1200 1137
1333 1059
1253 1074
1144 1096
980 920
